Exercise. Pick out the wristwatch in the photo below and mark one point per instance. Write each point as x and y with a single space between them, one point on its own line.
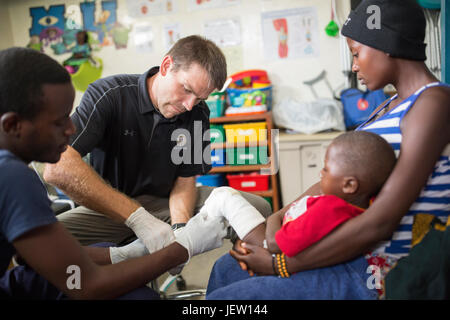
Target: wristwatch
176 226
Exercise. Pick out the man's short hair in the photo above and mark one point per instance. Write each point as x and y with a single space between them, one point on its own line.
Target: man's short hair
196 49
23 71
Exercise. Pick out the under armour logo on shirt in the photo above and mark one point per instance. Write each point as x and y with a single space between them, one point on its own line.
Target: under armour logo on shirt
129 133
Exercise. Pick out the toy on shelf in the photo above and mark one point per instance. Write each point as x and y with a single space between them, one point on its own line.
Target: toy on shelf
249 92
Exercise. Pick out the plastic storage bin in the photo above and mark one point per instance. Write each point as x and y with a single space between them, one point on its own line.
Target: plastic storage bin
250 97
217 133
248 182
216 104
242 132
218 157
249 92
247 156
211 180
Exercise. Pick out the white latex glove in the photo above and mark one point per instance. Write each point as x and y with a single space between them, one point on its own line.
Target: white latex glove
202 233
154 233
133 250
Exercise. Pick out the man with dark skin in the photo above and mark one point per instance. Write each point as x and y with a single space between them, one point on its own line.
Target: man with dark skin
36 98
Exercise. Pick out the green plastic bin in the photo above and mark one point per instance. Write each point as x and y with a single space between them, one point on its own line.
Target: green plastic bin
217 133
247 156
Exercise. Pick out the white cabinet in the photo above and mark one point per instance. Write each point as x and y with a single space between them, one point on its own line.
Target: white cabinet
301 159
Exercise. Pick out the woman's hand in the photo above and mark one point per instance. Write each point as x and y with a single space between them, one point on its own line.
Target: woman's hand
253 258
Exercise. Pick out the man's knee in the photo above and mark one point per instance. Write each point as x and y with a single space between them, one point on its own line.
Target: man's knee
261 204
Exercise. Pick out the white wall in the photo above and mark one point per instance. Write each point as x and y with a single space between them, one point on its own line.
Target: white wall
286 75
6 36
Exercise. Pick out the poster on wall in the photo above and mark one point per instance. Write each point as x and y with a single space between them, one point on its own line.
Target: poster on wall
207 4
145 8
171 34
143 38
291 33
224 33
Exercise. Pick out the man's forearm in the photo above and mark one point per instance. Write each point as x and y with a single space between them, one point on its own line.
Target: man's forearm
83 185
182 200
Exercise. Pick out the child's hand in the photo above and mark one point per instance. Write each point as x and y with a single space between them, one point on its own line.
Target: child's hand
238 248
256 259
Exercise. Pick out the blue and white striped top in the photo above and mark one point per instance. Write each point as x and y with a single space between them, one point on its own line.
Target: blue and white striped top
435 196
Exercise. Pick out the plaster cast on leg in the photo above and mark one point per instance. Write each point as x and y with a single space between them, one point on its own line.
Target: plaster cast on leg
229 203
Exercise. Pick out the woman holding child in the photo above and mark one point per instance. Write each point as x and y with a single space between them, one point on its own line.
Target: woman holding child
416 123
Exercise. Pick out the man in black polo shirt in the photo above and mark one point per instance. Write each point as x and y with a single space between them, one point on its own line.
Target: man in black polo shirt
135 127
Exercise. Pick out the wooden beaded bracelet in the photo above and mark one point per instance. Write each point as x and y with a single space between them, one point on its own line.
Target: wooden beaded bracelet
281 265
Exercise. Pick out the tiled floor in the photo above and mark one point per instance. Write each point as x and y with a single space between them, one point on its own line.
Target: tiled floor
196 273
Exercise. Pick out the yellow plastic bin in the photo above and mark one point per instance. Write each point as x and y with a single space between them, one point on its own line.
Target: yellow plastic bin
86 74
242 132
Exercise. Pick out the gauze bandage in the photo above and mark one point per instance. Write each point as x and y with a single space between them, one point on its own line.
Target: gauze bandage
229 203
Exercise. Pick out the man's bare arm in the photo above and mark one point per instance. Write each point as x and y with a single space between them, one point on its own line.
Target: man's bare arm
82 184
182 199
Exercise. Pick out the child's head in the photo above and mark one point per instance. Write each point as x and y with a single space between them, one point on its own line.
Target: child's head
357 163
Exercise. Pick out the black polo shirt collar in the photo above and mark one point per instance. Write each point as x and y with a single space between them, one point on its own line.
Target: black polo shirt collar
145 103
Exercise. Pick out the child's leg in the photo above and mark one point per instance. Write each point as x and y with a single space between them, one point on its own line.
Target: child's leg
241 215
257 235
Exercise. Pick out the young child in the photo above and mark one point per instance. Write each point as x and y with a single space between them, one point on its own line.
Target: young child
356 166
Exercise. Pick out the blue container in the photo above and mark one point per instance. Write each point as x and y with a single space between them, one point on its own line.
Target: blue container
236 100
358 105
218 157
216 104
211 180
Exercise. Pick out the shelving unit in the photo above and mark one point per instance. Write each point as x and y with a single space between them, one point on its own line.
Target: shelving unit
273 192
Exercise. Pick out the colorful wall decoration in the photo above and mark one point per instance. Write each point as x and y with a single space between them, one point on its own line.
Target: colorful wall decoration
80 30
56 28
